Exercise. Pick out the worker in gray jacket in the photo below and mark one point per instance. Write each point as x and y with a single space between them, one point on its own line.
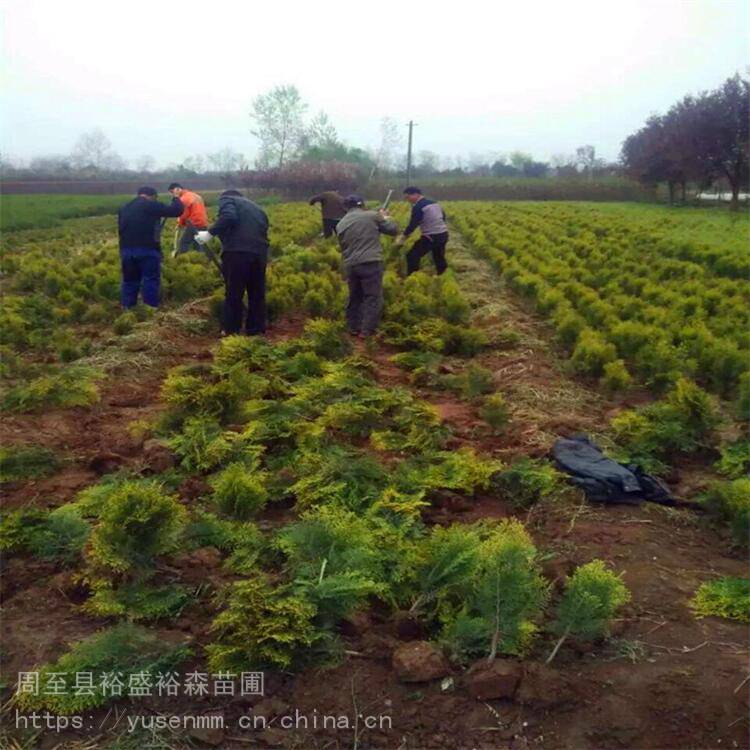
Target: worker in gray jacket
359 236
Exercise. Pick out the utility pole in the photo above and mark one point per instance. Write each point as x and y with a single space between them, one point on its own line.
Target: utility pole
408 154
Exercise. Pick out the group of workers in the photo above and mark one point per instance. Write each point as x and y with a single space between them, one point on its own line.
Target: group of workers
242 228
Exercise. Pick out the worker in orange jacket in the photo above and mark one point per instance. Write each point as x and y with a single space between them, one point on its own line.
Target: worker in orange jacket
193 219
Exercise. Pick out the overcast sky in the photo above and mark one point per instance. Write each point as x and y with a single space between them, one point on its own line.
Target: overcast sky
174 79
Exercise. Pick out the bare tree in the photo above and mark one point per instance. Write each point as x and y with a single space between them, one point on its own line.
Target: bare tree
278 124
51 164
145 163
227 163
586 159
428 162
391 141
94 149
197 163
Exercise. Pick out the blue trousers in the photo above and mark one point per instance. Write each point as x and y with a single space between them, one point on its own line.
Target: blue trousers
141 272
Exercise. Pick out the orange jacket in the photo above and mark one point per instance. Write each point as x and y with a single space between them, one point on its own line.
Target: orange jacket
195 210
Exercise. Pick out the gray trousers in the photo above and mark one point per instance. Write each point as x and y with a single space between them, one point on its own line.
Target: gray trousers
185 240
365 297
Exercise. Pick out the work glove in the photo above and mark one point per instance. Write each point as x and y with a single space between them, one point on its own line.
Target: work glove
203 237
399 240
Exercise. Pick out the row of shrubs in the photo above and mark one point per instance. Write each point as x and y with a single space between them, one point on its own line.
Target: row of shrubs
619 300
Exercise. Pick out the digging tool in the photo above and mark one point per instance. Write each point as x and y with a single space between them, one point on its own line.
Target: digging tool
205 249
387 201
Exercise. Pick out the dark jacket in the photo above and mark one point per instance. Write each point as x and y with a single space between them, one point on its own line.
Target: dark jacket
359 236
242 226
428 216
331 204
139 222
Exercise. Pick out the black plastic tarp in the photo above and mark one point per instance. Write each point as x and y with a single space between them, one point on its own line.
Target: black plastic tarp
604 480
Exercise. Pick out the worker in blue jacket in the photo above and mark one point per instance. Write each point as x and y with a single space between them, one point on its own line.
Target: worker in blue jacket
139 224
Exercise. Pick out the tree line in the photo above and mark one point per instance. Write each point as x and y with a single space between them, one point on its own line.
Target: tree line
701 140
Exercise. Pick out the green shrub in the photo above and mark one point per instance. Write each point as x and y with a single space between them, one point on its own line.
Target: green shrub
124 324
568 325
446 562
252 352
71 386
460 470
203 445
19 462
680 423
326 338
616 376
726 597
136 601
338 476
58 535
735 459
729 503
743 398
239 492
592 353
124 649
302 365
499 611
528 481
661 364
138 522
592 597
473 382
260 627
494 411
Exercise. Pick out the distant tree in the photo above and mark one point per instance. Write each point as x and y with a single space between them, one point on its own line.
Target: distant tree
535 168
278 115
721 133
649 157
51 164
428 163
321 133
586 159
226 163
94 150
556 161
385 156
197 163
700 139
145 163
519 158
501 168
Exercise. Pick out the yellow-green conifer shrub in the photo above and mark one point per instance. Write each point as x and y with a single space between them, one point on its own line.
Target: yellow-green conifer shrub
138 522
123 650
592 597
260 627
726 597
239 491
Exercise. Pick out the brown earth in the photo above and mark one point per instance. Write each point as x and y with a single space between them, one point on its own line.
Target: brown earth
666 679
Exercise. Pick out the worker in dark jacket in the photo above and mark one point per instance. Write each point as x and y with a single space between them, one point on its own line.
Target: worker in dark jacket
242 227
332 207
430 218
139 225
359 236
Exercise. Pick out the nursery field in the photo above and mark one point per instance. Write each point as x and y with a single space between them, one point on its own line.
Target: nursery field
311 541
